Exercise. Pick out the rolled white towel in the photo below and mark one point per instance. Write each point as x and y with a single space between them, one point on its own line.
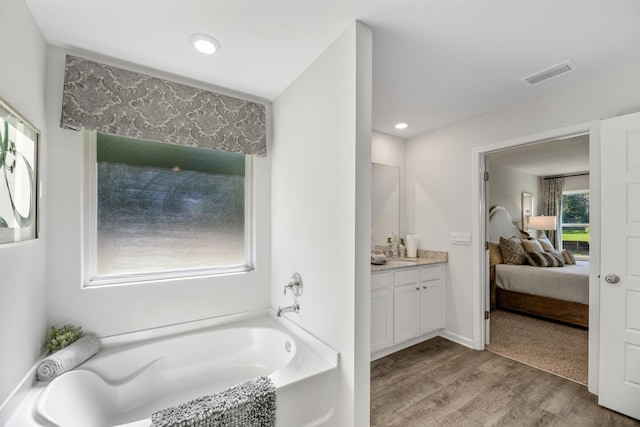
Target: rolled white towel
68 358
378 259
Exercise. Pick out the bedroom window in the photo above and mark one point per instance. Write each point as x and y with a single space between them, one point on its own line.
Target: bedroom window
159 211
575 222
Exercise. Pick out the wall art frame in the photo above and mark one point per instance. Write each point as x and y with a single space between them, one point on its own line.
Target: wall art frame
19 141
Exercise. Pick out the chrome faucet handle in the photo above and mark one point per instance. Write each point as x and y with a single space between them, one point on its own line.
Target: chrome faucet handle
295 284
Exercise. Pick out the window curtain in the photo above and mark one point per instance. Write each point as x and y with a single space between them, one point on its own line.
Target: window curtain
552 205
114 101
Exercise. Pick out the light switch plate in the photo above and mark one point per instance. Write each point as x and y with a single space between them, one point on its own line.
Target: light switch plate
458 238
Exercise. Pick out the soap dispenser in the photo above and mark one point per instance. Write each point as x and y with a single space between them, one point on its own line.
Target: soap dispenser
394 245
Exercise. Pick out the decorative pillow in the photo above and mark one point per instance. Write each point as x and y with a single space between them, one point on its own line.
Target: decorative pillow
557 258
538 259
568 257
512 250
544 259
495 257
546 244
531 245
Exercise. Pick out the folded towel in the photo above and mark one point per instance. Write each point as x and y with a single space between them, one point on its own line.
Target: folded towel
68 358
251 403
378 259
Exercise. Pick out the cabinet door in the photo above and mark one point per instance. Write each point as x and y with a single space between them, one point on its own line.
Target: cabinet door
381 319
431 299
406 312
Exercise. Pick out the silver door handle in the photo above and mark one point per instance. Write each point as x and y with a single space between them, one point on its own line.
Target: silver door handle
611 278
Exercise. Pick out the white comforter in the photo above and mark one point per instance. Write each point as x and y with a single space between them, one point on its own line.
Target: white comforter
569 283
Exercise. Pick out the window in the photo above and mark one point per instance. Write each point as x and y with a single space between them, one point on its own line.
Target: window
162 210
575 222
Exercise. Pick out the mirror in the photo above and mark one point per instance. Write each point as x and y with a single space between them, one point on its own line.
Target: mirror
385 202
527 209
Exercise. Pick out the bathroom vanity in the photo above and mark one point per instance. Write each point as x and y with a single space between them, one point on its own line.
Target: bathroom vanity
407 304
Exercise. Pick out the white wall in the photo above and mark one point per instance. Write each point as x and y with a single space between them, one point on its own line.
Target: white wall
321 207
387 149
118 309
505 188
390 150
439 170
23 310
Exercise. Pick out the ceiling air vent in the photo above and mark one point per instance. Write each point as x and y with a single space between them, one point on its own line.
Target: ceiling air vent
548 73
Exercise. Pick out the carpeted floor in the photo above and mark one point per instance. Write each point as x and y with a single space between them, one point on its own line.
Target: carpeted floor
553 347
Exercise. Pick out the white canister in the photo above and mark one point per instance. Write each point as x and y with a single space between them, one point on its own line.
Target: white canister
412 245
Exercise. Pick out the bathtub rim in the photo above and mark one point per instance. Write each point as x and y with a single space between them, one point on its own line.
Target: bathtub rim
318 345
19 407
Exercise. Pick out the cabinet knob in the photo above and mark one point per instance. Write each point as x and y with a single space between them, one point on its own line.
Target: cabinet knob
418 288
424 287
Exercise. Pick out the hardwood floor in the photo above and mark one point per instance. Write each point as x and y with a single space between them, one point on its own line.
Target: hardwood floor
441 383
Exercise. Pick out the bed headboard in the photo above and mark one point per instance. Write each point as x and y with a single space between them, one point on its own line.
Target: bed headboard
501 225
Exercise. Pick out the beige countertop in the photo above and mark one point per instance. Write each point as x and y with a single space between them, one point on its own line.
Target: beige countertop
425 257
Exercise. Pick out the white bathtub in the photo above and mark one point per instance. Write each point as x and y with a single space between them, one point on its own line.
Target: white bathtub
137 374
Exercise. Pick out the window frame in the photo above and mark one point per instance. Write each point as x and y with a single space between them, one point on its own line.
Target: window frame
90 278
575 224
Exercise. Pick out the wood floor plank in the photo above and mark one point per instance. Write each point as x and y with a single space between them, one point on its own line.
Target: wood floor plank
441 383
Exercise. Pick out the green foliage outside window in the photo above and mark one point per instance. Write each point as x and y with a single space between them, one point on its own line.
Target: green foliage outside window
575 223
575 208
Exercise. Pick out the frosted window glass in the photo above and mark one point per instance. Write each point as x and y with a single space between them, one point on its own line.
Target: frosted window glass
184 210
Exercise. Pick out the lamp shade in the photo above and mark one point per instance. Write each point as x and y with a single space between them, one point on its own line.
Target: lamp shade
542 222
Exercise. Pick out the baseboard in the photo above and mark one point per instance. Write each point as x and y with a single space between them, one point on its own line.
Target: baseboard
459 339
387 351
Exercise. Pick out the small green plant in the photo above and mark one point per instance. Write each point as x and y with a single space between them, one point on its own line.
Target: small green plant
60 338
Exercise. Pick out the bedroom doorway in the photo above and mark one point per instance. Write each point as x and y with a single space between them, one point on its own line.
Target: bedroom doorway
516 168
533 320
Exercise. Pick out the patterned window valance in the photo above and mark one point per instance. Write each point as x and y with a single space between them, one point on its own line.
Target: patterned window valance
119 102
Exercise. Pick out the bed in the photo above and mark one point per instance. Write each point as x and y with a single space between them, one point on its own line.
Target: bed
557 293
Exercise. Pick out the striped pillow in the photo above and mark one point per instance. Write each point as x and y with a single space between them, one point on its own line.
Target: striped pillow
544 259
538 259
558 258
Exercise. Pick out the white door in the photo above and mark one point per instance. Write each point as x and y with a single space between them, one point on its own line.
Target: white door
619 377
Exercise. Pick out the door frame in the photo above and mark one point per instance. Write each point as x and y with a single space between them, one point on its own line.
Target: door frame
479 260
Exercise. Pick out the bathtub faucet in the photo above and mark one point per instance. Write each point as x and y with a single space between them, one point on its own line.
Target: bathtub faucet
295 308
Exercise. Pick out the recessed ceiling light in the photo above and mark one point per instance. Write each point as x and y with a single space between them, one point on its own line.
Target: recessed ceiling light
204 43
401 126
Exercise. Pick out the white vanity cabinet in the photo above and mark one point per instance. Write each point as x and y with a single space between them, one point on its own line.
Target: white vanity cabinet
381 311
431 298
407 306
